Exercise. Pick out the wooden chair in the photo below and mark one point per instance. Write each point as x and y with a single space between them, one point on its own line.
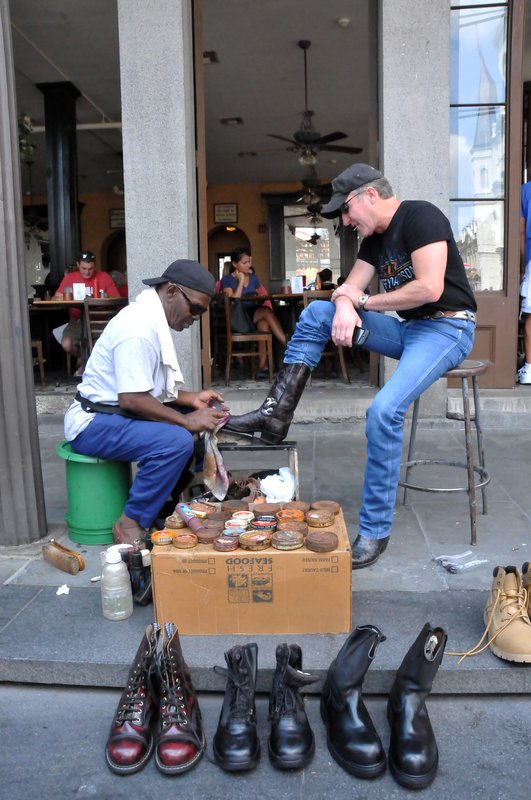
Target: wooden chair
36 344
97 315
257 340
331 349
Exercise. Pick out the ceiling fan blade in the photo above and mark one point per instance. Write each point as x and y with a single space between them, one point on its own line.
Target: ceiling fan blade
283 138
337 148
332 137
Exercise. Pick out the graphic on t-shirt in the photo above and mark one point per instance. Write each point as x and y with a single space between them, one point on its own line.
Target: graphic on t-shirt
395 270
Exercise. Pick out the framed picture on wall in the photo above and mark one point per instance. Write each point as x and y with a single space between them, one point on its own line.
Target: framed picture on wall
225 212
117 218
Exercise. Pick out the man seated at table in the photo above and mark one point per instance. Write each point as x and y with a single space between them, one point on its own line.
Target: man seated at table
69 336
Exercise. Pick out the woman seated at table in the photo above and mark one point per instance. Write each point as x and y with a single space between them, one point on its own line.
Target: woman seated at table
70 335
241 282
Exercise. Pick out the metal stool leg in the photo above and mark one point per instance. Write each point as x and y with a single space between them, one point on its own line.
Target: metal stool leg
411 448
479 434
469 460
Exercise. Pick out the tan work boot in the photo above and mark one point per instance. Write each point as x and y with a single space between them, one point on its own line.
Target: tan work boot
506 616
526 580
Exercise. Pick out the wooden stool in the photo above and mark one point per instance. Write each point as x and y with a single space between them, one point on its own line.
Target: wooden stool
36 344
467 369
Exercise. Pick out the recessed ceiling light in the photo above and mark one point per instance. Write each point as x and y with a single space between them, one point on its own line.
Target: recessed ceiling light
231 121
210 57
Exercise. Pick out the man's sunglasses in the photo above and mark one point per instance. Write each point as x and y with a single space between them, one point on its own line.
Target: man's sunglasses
196 309
344 206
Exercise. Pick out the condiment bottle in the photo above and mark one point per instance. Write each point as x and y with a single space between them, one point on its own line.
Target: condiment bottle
116 594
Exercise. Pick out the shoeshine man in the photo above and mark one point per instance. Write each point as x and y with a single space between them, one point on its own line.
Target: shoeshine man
409 245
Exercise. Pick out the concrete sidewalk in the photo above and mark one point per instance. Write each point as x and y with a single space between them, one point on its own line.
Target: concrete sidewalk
46 638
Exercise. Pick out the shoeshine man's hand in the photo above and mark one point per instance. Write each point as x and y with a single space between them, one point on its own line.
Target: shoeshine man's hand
345 320
203 398
204 419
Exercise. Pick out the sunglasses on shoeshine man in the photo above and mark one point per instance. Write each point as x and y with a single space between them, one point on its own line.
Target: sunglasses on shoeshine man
196 309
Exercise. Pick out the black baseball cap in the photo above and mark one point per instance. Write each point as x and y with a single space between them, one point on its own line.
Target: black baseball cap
86 255
186 273
352 178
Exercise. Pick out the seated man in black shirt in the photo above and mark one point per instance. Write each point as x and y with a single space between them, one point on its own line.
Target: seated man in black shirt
410 246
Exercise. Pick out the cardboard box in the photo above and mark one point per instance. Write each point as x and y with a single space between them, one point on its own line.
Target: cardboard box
203 591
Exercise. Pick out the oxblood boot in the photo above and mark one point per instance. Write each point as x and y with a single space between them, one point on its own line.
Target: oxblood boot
291 739
130 741
180 737
273 418
413 754
351 736
236 745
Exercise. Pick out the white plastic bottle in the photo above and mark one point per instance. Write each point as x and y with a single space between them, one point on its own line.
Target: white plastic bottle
116 593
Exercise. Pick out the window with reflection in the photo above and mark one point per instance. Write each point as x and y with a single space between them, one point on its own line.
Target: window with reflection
477 139
310 244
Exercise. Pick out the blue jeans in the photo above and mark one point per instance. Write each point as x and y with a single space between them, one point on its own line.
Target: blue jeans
161 450
425 350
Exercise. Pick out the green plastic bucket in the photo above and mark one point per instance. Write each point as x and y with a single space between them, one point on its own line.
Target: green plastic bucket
97 491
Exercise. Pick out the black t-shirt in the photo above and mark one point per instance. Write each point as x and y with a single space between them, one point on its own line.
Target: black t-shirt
415 224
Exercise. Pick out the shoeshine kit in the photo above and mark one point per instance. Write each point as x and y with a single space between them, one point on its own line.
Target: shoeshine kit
251 568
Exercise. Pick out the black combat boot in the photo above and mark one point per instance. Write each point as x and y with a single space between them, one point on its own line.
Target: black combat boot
180 737
236 745
273 418
413 754
351 736
291 740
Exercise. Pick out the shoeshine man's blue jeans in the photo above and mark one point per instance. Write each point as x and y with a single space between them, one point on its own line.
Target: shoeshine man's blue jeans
425 350
161 450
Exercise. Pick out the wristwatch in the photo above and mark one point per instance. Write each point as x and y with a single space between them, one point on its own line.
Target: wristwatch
362 299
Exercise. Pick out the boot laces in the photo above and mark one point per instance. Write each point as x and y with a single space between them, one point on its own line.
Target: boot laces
130 709
285 700
173 708
513 606
241 704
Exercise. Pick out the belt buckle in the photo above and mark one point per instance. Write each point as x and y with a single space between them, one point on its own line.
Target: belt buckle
438 315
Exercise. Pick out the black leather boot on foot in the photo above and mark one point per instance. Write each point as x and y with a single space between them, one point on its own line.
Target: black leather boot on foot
367 551
273 418
236 746
351 736
291 739
413 754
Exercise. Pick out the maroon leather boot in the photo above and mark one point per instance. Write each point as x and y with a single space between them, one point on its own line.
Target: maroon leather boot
130 741
180 741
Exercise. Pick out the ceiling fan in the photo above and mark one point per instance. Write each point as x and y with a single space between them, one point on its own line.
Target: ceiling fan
306 140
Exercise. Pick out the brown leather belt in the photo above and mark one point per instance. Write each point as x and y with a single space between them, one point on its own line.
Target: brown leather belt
470 315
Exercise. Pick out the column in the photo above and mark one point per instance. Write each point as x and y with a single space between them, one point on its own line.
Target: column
158 131
22 512
61 174
414 96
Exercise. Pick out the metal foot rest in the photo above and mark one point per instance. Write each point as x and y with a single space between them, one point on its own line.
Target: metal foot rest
484 477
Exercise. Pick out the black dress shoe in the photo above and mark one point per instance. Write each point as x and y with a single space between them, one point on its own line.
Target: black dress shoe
367 551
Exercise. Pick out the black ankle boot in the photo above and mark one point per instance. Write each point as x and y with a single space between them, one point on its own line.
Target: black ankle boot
291 740
413 754
351 736
367 551
236 745
273 418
